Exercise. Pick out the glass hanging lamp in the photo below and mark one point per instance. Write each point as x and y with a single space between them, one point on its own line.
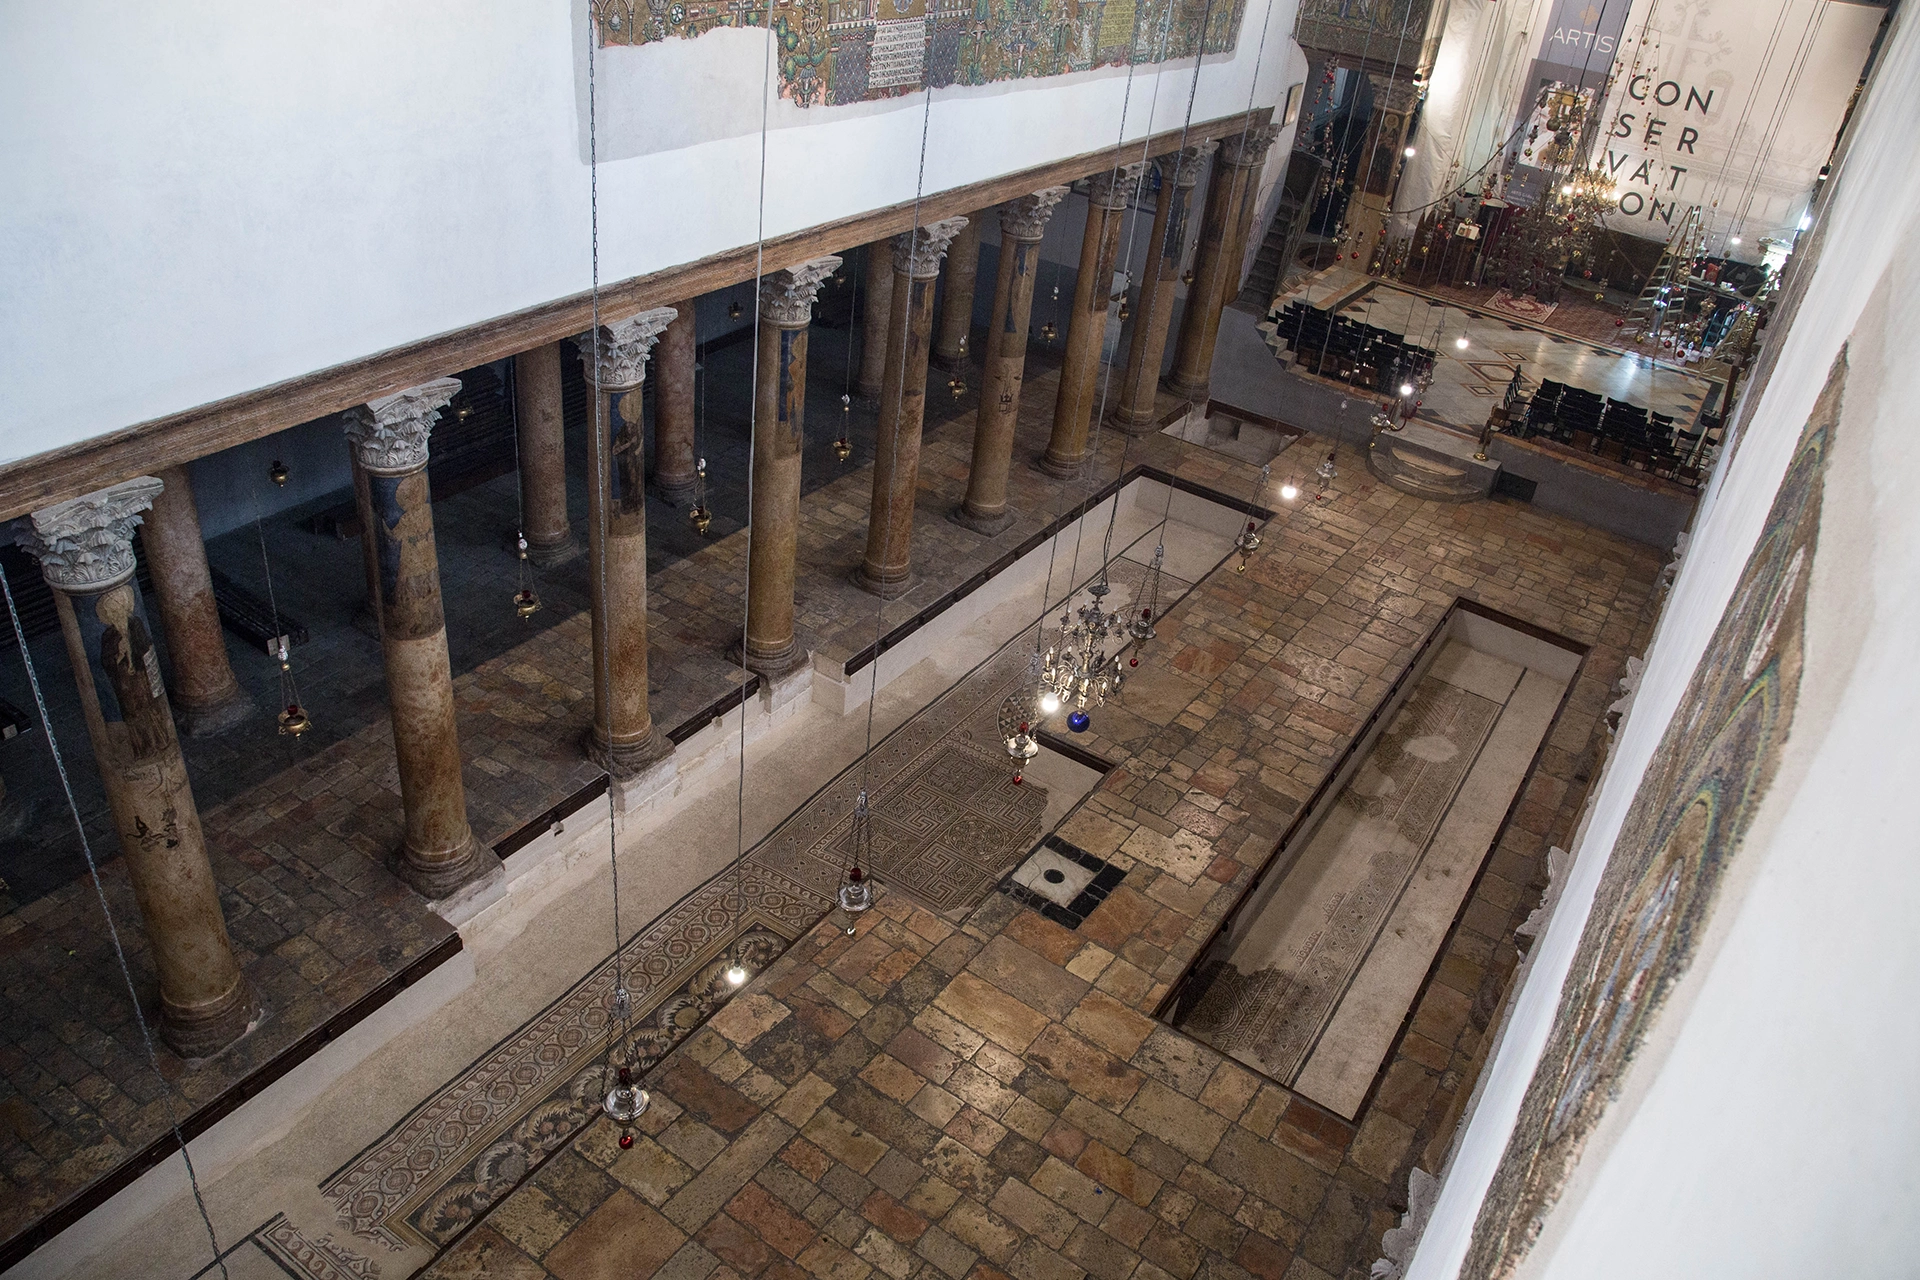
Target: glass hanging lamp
843 443
526 602
856 889
698 515
293 718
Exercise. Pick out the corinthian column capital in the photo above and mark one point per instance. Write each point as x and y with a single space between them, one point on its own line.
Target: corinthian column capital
1182 167
86 543
623 349
390 434
1025 218
786 297
917 253
1249 147
1114 188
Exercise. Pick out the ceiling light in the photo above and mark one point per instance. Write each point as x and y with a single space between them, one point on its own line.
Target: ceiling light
1289 491
736 974
1049 702
1806 220
1733 240
1567 189
1408 153
1461 342
1406 388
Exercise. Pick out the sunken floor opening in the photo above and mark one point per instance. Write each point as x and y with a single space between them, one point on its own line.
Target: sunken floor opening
1310 980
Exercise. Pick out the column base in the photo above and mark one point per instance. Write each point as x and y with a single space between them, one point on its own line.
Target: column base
986 526
1128 424
545 555
1197 392
203 1031
207 719
626 759
673 490
438 880
770 666
885 588
1049 465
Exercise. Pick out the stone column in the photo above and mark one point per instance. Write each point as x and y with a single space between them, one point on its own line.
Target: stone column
206 697
1022 224
438 853
1224 225
673 460
780 399
1107 199
876 302
85 550
956 302
621 740
543 456
887 570
1177 171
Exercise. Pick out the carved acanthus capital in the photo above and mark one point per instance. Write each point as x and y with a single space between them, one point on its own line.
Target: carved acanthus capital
786 297
389 435
1026 218
1114 188
1182 167
623 348
1248 147
86 543
917 253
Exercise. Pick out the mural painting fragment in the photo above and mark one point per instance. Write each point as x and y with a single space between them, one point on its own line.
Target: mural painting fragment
1696 799
836 52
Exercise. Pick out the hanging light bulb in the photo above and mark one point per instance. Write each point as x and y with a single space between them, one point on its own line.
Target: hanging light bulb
278 473
1050 703
1461 341
736 974
1289 491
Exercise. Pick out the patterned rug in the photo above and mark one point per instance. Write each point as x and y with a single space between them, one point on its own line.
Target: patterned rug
1392 808
1522 308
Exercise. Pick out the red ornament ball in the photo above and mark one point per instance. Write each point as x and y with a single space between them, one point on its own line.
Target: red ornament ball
1133 662
1017 779
1024 726
626 1141
1618 323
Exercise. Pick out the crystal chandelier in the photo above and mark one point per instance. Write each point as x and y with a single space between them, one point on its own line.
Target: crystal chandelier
1077 671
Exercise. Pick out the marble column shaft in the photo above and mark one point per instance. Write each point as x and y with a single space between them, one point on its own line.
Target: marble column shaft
621 740
958 279
771 646
887 569
1108 196
1224 225
1023 222
389 436
85 550
876 303
1160 274
206 696
673 375
543 456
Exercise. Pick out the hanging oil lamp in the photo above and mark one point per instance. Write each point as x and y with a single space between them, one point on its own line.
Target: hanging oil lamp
1326 472
856 890
526 602
278 473
733 309
1022 746
1142 627
697 515
1048 333
625 1103
843 442
957 386
293 717
1249 540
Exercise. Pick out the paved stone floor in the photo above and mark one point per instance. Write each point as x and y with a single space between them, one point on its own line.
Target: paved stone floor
299 830
995 1099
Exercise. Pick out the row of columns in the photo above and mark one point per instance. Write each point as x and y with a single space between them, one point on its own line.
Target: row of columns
86 551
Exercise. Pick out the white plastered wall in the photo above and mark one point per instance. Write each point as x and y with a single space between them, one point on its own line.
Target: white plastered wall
208 196
1768 1129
